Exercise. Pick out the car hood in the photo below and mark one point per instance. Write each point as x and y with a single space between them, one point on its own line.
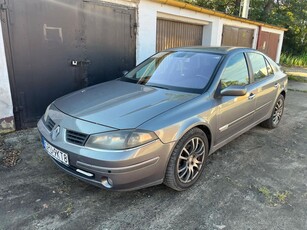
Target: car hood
120 104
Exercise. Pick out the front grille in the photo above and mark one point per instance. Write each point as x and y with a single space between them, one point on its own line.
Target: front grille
50 123
76 137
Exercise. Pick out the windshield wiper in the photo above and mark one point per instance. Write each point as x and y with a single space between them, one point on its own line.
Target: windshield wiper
156 86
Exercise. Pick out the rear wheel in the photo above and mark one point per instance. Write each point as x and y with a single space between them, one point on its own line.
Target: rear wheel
277 113
187 160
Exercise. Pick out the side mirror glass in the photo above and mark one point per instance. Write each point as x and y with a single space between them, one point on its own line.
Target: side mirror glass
234 90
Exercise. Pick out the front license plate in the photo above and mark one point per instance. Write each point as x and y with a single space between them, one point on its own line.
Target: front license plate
55 153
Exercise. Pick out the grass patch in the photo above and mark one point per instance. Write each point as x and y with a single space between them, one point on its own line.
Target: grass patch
291 60
297 90
274 199
297 78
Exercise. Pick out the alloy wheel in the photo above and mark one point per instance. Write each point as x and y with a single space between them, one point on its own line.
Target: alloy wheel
191 160
278 110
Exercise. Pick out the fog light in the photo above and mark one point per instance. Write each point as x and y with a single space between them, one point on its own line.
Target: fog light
106 182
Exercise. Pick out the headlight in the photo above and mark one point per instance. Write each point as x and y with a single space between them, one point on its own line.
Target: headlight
46 113
123 139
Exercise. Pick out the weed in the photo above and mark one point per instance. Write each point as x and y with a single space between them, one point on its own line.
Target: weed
290 60
267 194
274 199
281 196
69 209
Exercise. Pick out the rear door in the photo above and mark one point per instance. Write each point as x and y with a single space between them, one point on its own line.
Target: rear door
265 86
235 112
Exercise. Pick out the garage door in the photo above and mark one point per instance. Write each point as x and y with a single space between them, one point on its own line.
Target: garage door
268 43
172 34
235 36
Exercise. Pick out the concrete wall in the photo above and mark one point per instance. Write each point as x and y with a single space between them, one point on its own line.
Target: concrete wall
148 12
6 105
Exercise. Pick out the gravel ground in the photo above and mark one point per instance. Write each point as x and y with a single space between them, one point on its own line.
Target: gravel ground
258 181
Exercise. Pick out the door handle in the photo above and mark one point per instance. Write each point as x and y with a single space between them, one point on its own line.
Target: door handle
276 85
78 63
251 96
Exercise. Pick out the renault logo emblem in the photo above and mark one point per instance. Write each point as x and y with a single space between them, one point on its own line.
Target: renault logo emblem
55 133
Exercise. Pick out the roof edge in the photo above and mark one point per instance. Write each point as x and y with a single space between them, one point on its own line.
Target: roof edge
189 6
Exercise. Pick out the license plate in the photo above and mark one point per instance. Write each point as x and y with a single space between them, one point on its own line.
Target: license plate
55 153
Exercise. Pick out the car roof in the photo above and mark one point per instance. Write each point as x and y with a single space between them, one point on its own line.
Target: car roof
217 49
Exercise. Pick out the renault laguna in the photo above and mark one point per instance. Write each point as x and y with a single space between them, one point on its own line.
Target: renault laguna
159 122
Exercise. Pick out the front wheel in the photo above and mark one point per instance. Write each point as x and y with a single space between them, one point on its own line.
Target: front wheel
277 113
187 160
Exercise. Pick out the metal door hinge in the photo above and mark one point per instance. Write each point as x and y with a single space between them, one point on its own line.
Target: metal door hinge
18 109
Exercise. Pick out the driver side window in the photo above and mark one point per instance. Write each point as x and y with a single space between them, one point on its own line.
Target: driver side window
235 72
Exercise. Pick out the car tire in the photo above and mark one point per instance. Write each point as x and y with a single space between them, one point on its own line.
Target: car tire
276 115
187 161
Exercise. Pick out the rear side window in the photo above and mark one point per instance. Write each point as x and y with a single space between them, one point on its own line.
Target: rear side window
235 72
259 66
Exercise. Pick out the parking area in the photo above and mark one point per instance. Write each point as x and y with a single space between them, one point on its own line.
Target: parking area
258 181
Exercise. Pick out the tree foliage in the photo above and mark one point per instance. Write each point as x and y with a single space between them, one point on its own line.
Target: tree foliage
291 14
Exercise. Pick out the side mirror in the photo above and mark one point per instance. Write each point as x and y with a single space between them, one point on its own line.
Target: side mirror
234 90
125 72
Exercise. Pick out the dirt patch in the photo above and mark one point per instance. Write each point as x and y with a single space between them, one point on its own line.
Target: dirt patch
11 158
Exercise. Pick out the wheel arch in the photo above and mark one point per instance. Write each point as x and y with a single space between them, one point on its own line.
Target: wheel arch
203 125
283 92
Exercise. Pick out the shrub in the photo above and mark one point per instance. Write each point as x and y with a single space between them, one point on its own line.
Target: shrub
291 60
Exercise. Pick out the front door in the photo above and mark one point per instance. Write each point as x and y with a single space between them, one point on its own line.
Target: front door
56 47
235 112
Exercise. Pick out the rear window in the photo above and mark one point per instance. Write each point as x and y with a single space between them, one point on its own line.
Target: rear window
259 66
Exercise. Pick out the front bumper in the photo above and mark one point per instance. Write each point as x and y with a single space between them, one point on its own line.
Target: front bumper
126 170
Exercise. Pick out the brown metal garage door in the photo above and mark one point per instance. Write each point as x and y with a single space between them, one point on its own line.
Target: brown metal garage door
268 43
175 34
234 36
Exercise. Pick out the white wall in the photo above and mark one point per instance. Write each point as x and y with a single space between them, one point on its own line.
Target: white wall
6 105
148 12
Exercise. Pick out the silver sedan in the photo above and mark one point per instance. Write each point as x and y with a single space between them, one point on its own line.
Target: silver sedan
159 122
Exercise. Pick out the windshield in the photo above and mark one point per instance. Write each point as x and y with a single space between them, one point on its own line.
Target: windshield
176 70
